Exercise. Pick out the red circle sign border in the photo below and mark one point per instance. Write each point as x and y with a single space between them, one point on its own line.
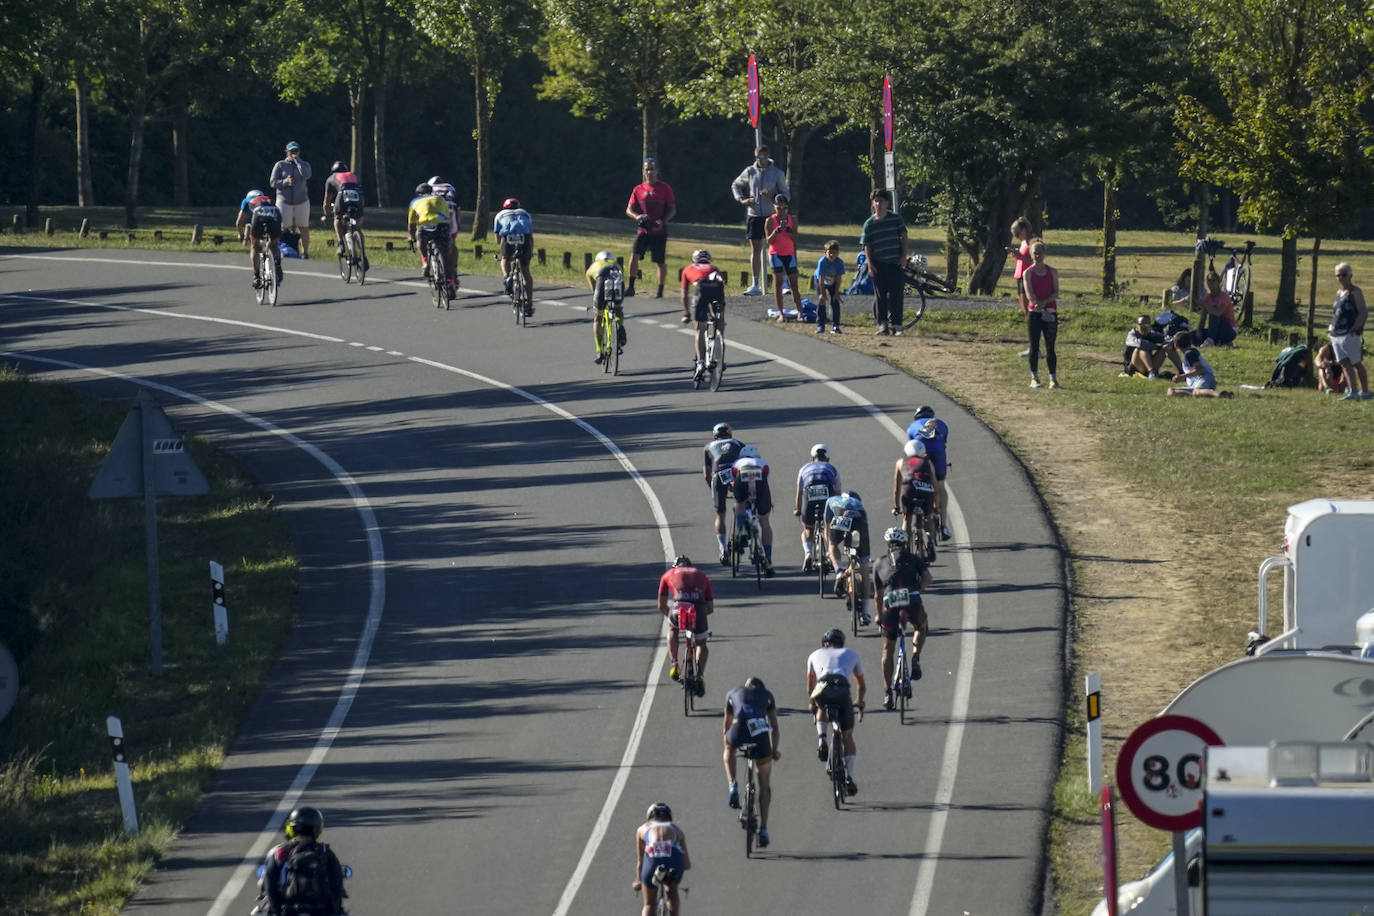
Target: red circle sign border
1125 759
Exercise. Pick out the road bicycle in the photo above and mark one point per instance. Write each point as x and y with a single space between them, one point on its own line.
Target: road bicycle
920 525
901 672
663 882
1235 276
814 511
269 273
834 758
714 370
686 614
610 333
437 256
917 277
520 298
749 816
841 526
353 259
749 536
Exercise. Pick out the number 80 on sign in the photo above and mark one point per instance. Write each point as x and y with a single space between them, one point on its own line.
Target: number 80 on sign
1159 771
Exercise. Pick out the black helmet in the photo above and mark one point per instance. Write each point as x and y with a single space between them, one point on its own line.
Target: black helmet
305 821
423 188
659 811
721 430
338 167
854 495
682 560
924 412
756 683
833 637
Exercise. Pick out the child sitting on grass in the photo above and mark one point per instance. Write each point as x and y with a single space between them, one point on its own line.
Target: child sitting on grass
1201 381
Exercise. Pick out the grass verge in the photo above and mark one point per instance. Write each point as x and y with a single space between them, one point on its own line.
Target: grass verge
74 613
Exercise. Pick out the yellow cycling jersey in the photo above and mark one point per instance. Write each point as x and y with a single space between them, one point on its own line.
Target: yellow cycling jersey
426 211
595 271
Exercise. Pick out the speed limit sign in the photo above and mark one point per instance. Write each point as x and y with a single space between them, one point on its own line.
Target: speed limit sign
1159 771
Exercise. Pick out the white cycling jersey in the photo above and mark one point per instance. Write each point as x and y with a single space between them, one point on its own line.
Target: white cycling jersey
829 660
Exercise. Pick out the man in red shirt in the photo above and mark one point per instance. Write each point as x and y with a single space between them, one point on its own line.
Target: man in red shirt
651 205
686 588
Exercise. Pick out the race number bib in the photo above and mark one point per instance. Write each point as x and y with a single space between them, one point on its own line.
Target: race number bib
268 211
817 491
659 849
757 727
515 238
922 486
842 523
897 597
350 196
748 474
726 475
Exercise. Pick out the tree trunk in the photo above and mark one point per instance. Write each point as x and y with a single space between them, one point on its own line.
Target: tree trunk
876 178
951 257
85 187
1032 205
483 99
1286 305
1204 214
997 235
1109 214
356 116
648 125
181 124
137 126
35 123
1312 292
796 146
379 144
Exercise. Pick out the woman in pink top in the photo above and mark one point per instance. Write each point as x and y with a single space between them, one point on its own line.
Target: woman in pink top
1042 311
1221 312
1021 232
780 230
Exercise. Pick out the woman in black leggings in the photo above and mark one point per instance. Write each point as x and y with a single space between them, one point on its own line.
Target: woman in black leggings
1042 316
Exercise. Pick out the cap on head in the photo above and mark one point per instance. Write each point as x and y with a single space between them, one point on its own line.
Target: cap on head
605 256
254 193
423 188
650 162
293 147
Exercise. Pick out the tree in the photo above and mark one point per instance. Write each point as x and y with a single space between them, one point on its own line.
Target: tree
1295 144
488 34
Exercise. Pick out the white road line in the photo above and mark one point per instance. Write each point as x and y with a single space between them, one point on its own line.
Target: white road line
376 606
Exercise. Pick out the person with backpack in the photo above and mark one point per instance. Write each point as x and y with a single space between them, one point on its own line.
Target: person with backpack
303 876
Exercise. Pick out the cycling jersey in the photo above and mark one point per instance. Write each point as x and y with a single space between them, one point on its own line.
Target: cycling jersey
512 222
844 515
749 708
830 660
818 473
427 211
662 846
249 204
686 583
750 481
608 284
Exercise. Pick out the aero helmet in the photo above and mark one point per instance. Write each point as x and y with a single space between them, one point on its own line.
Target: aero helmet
720 430
914 448
604 256
701 256
833 637
820 452
852 494
659 811
305 821
924 412
749 451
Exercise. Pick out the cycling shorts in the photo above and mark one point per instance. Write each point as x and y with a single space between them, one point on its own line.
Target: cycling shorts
813 512
674 863
835 696
718 493
784 262
936 454
702 302
349 203
266 222
437 232
521 251
655 245
890 620
763 499
912 498
762 742
837 538
701 631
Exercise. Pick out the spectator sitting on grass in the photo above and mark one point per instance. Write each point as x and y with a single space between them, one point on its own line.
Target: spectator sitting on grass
1200 381
1329 371
1220 314
1180 295
1146 350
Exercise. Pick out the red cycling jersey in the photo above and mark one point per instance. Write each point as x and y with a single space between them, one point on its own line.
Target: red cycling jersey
695 273
686 583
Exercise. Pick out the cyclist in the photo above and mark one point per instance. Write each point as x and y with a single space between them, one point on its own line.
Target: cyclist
751 718
343 196
684 584
427 218
718 469
710 295
607 282
455 217
749 475
259 215
896 571
936 436
830 673
912 468
817 481
660 842
847 505
513 220
303 875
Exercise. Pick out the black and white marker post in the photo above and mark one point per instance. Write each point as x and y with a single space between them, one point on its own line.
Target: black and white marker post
122 780
217 605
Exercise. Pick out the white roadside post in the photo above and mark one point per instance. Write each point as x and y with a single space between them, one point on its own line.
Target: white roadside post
122 780
217 602
1094 692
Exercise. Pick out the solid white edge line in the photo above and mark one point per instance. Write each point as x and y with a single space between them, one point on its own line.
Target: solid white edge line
375 608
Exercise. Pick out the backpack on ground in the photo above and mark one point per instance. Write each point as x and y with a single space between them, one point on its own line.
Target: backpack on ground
1170 323
306 885
1292 368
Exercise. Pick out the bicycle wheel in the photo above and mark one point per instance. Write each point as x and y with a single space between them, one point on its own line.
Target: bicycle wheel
607 340
359 255
916 309
852 600
686 675
750 817
820 553
437 275
346 263
615 346
1242 287
271 281
899 681
260 293
518 294
717 359
837 772
934 285
736 549
929 529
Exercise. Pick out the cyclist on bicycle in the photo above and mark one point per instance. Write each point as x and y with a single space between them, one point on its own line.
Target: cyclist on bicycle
659 843
830 672
607 282
343 196
684 587
817 481
913 483
925 425
718 469
751 720
899 577
429 218
749 476
455 217
511 223
258 214
710 296
845 518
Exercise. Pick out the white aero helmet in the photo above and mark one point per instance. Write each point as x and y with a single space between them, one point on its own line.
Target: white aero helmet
895 536
820 452
701 256
605 256
749 451
914 448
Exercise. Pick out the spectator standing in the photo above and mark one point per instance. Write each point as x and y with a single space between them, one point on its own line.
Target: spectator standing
289 178
1348 315
829 273
651 206
884 243
780 230
1220 312
1042 312
756 188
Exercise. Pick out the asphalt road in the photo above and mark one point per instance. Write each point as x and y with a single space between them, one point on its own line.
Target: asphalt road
475 693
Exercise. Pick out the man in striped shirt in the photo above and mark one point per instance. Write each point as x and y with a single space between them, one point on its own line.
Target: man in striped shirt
884 243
